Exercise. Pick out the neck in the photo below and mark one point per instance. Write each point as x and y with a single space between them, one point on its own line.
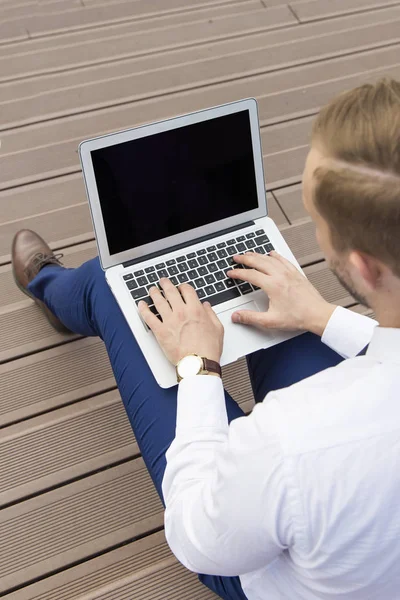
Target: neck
387 313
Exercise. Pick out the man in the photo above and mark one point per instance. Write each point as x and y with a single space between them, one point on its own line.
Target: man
301 498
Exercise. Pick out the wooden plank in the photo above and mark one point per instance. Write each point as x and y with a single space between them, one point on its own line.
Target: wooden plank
302 241
290 200
96 16
73 522
12 31
328 285
62 445
128 28
312 10
124 573
23 10
146 85
296 82
145 42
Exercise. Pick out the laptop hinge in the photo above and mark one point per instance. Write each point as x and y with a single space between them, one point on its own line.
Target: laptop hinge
204 238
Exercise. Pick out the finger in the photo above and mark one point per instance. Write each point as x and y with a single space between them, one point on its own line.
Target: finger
250 317
148 317
161 304
189 294
251 276
289 265
211 314
266 264
171 293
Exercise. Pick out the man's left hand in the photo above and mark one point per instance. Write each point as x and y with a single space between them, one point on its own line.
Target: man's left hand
187 326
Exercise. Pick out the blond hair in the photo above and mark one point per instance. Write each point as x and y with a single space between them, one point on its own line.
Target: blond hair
358 191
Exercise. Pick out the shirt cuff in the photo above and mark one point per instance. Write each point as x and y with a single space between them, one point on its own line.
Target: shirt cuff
201 403
348 332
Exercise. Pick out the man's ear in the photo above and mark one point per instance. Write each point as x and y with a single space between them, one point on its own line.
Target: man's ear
366 267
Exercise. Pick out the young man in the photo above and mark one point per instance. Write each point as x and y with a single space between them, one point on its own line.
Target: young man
301 498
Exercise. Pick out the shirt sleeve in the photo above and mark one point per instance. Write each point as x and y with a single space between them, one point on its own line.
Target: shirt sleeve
348 332
225 486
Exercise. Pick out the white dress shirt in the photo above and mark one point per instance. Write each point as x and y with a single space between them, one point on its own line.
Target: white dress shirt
301 498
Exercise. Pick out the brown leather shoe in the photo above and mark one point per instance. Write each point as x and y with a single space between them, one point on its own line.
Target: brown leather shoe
29 254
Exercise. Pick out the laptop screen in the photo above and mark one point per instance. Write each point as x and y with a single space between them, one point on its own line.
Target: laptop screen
174 181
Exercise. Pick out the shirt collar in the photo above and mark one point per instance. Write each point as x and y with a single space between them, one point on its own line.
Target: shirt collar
385 344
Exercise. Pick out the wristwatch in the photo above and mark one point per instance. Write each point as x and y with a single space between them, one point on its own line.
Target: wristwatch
193 364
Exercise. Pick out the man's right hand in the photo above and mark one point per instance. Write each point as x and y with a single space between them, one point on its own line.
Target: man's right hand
294 303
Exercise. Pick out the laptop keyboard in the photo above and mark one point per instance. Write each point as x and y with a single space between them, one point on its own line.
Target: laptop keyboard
205 270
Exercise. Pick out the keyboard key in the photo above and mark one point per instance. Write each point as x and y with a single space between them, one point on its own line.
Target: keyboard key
222 253
260 232
162 273
202 260
259 250
241 238
142 281
202 271
230 283
250 235
262 239
230 242
211 248
173 270
183 278
201 294
149 269
193 263
221 245
219 275
209 290
152 277
241 247
245 288
139 293
154 311
209 278
232 250
171 262
146 299
129 276
250 244
191 255
183 267
212 268
191 283
132 284
224 296
219 286
200 282
268 247
201 252
180 259
192 274
160 266
222 264
212 257
174 280
255 287
138 273
230 261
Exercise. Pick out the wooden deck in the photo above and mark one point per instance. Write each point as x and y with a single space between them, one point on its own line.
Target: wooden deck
79 518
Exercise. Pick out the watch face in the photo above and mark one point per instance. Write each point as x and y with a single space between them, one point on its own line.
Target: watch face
190 365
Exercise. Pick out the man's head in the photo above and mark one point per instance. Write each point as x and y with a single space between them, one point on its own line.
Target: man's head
351 188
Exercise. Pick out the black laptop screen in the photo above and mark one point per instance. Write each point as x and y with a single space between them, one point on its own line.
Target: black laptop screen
174 181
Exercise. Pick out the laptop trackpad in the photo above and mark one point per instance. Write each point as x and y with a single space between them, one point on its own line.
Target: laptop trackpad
240 339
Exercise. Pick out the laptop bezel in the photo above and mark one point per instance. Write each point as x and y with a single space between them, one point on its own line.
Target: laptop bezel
85 148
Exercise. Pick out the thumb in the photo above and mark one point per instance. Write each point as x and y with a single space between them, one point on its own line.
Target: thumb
250 317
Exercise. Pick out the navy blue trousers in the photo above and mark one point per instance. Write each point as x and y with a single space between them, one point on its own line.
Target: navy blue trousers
82 300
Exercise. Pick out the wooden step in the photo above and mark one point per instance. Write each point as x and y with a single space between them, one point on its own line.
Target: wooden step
309 10
73 522
124 573
131 88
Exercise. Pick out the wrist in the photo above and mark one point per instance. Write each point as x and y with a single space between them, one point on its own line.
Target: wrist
321 318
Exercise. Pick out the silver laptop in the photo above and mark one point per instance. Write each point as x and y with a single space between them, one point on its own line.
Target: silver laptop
178 199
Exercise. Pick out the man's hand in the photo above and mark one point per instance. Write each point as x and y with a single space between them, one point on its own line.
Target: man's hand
187 327
294 303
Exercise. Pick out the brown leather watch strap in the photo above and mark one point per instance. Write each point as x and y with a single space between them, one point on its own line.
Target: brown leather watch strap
212 366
